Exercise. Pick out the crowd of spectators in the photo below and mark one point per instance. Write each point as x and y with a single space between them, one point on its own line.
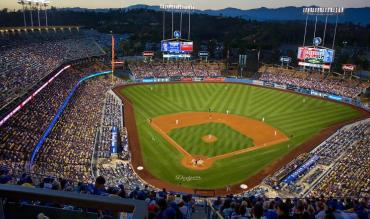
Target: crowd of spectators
94 110
19 135
112 116
235 207
117 171
160 203
68 149
171 205
120 173
350 175
23 65
172 69
313 80
342 161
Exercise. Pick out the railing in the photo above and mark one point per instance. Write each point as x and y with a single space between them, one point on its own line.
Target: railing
211 212
136 208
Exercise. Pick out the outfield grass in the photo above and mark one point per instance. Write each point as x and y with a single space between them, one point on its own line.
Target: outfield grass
228 139
294 115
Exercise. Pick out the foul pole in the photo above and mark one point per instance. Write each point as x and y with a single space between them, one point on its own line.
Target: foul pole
113 57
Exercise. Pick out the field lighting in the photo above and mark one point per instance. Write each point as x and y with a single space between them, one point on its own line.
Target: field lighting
323 11
34 4
175 8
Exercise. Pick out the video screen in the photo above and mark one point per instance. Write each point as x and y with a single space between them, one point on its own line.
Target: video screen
315 55
176 47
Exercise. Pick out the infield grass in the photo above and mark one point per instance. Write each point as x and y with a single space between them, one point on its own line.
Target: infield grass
228 139
298 117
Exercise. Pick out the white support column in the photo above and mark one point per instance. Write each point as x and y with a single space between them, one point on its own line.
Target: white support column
38 14
172 26
314 32
305 31
31 15
180 23
46 15
323 39
189 27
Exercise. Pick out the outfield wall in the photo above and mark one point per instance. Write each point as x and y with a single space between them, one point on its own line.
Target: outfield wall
297 89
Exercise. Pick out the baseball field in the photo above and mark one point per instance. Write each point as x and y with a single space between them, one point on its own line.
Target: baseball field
211 135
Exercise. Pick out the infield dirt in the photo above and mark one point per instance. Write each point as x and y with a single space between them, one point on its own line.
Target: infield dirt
262 134
137 160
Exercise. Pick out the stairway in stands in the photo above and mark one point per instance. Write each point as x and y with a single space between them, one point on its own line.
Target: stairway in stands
199 213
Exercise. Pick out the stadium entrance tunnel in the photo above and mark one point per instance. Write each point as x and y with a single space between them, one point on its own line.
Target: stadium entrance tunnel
232 134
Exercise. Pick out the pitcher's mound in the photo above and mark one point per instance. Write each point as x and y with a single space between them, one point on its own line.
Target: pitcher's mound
209 138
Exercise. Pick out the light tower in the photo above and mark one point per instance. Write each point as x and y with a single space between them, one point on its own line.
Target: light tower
318 56
22 2
179 9
30 4
34 4
45 4
38 5
315 11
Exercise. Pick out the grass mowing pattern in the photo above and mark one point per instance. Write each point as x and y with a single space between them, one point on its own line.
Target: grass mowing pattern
228 139
293 114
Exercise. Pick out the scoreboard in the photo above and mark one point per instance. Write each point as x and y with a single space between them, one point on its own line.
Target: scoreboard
176 46
315 55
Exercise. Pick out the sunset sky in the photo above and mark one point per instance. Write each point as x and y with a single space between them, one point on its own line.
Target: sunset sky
199 4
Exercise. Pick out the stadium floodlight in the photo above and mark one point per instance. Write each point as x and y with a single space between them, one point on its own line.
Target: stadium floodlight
323 11
176 7
32 5
22 2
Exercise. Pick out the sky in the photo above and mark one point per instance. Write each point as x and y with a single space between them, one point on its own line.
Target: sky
199 4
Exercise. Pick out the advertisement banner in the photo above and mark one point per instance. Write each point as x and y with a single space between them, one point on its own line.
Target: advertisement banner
315 55
176 47
306 64
148 80
161 79
269 84
148 53
176 55
317 93
291 87
197 79
186 46
334 97
186 79
214 79
280 86
175 78
203 53
348 67
285 59
257 82
114 146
